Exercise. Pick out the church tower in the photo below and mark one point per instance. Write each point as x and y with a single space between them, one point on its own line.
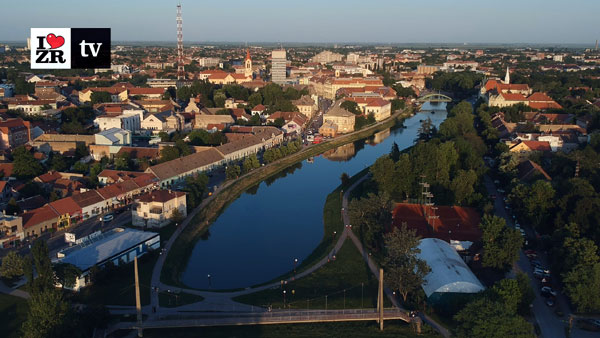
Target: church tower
507 76
248 64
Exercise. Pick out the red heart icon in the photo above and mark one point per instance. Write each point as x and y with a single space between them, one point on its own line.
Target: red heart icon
55 41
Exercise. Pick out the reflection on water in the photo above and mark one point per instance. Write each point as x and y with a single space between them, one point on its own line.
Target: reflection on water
260 234
341 153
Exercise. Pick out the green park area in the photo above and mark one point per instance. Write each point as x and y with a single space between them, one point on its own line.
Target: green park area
13 311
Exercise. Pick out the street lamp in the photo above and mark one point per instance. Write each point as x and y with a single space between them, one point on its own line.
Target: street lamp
208 276
284 299
295 262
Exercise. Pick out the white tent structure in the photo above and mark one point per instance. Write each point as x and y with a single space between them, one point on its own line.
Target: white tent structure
449 273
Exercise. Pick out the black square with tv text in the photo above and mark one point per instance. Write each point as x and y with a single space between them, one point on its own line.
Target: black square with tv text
90 48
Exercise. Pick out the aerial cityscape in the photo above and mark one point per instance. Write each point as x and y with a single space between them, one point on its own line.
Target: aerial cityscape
340 169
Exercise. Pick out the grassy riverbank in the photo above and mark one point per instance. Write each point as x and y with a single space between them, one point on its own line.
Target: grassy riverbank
180 252
13 312
346 281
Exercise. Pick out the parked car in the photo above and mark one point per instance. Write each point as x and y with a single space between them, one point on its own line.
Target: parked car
108 218
501 191
550 302
540 274
548 291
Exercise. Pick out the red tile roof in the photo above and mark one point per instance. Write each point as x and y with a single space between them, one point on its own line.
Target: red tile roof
160 196
38 216
66 206
454 223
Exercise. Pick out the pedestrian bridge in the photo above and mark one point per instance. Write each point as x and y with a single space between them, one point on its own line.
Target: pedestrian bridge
434 97
203 319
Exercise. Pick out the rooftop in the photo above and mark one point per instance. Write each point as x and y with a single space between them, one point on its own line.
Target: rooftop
111 243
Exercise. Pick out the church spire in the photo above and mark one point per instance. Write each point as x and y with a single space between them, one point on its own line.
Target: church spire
507 76
248 54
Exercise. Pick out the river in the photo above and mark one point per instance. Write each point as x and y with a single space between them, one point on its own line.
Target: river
258 236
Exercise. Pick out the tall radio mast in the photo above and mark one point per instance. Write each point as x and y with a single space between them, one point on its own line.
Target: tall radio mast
180 70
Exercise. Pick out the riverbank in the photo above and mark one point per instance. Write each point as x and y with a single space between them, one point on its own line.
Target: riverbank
178 256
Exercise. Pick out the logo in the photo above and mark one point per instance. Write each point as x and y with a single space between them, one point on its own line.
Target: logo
70 48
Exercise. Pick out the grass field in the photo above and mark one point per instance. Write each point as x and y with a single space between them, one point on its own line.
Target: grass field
13 312
347 282
180 252
395 329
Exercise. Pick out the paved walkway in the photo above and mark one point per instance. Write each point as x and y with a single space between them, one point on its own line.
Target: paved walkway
13 292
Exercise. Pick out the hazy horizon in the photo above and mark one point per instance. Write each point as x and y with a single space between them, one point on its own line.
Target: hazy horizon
550 22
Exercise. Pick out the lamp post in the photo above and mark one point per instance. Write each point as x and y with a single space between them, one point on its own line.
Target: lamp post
284 299
295 262
208 276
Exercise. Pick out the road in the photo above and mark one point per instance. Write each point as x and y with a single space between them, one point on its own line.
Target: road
550 324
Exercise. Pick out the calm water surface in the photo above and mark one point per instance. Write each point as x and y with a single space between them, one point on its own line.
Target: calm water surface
260 234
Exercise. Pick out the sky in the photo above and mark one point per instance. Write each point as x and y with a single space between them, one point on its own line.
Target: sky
345 21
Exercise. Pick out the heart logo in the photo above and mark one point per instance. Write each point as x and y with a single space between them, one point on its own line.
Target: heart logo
55 41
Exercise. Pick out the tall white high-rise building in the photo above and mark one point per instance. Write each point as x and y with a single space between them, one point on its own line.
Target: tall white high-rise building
507 76
278 66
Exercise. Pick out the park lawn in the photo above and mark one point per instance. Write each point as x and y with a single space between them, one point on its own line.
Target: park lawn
347 282
395 328
170 300
13 312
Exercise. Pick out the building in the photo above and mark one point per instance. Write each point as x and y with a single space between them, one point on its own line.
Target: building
208 62
129 120
91 203
173 172
428 70
161 83
117 94
155 209
113 137
278 66
11 230
40 220
327 57
14 133
449 273
341 118
119 246
306 105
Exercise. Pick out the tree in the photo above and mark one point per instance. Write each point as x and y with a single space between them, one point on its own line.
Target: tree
46 316
169 153
395 152
58 162
12 208
254 100
405 271
345 179
501 244
123 161
251 162
100 97
487 318
371 214
25 165
426 131
176 216
66 274
12 265
462 185
80 167
352 107
383 171
233 171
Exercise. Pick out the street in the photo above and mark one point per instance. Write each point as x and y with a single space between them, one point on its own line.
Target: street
550 324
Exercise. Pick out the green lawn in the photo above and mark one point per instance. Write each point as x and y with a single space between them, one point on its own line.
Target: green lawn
13 312
396 329
348 272
174 300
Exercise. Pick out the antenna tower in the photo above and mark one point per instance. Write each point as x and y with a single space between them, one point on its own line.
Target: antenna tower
180 70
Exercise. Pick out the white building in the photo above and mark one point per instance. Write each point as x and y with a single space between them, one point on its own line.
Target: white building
279 66
449 273
129 120
113 137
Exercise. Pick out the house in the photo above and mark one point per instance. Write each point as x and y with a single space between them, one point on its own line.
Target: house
11 230
341 118
117 94
259 110
155 209
40 220
14 133
119 246
113 137
91 203
129 120
206 117
67 210
380 108
528 146
155 93
243 146
306 105
174 171
108 176
529 171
